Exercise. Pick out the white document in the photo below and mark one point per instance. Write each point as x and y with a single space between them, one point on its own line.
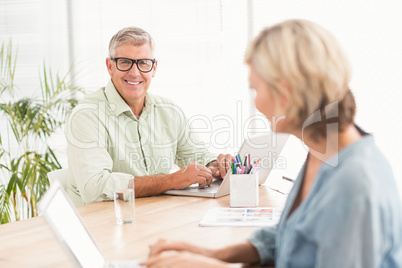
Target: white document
260 216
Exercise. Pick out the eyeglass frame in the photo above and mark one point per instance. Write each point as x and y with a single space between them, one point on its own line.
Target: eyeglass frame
132 64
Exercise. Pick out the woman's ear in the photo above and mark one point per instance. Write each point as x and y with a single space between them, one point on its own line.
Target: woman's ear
285 95
285 102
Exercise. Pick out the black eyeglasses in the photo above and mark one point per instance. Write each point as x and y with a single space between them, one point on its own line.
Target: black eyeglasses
125 64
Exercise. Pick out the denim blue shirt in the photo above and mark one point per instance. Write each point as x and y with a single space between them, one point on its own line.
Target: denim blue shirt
351 218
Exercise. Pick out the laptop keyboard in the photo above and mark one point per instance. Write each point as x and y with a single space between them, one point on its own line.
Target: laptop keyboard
212 188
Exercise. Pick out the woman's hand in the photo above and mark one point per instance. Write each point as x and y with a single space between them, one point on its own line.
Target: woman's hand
166 245
183 259
183 254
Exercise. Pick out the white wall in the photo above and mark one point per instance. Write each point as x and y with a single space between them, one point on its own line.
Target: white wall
200 46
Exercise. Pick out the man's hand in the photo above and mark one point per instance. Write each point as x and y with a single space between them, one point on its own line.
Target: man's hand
193 173
221 166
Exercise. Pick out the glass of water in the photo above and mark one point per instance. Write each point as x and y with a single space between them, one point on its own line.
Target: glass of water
124 198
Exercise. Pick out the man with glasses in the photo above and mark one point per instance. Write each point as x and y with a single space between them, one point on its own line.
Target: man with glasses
122 128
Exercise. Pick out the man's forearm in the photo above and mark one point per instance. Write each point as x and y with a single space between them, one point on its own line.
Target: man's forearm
153 185
156 184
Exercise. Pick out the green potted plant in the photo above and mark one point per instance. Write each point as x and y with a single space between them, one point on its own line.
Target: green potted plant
26 157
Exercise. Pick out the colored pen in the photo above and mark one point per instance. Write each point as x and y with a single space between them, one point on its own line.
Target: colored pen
242 170
255 167
250 170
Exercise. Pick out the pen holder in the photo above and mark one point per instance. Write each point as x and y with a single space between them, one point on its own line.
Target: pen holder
244 190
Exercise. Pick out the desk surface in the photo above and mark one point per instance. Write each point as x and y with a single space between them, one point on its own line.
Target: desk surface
31 243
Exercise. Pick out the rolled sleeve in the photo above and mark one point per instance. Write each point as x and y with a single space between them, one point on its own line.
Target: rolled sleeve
264 241
89 161
115 182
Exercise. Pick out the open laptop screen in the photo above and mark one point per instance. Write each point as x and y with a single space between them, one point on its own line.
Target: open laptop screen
265 148
69 229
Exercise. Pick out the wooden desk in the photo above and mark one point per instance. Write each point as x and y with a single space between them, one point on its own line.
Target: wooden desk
31 243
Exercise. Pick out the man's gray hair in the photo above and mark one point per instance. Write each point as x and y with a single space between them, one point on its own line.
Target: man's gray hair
130 35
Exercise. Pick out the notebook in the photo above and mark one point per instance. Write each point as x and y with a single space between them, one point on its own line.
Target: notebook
266 147
69 229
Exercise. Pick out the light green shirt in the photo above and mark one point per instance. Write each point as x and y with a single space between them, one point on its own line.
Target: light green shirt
104 136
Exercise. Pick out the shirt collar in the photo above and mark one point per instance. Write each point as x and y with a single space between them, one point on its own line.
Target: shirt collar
118 105
365 141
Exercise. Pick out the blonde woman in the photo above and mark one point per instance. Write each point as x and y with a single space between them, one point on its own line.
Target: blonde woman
344 209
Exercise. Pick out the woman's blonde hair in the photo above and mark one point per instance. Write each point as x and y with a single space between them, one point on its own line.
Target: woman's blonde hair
312 64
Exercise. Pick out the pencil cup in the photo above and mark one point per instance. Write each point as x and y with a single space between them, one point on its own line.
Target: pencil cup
124 199
244 190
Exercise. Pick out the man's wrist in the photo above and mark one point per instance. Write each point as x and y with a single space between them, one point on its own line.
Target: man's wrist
171 179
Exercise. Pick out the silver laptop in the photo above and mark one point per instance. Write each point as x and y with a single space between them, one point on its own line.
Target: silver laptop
265 147
68 227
